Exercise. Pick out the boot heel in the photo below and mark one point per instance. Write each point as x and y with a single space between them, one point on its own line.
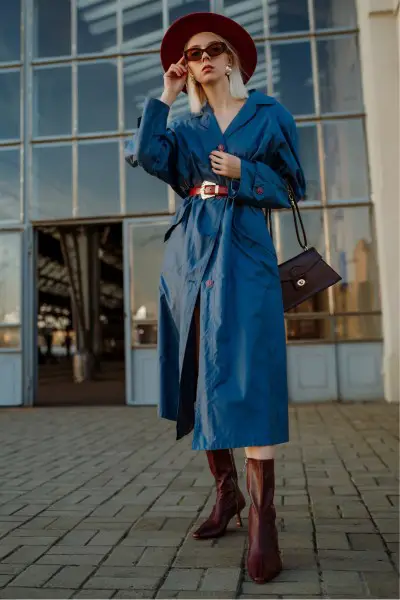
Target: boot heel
239 521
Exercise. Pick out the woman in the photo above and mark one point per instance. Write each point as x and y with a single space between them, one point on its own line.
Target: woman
221 327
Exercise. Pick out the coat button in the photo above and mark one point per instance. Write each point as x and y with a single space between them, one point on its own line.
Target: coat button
209 283
221 147
260 190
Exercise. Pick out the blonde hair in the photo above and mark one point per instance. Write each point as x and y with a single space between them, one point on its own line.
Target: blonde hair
196 95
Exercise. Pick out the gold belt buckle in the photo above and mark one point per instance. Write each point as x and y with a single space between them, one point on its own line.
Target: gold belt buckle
203 195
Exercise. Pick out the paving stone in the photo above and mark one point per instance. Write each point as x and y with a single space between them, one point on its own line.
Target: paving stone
24 592
35 576
282 588
126 578
347 584
220 580
101 550
106 538
132 594
126 556
77 560
77 538
90 594
203 557
157 538
383 585
366 541
25 554
182 579
157 557
333 541
70 576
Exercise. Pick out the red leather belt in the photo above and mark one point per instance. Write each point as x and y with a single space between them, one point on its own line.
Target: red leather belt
209 190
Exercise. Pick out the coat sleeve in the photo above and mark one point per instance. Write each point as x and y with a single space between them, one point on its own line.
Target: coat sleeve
156 143
265 185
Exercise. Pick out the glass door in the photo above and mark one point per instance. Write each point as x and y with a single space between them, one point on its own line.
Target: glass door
143 255
11 373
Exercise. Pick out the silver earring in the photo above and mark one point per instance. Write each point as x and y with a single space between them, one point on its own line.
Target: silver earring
228 70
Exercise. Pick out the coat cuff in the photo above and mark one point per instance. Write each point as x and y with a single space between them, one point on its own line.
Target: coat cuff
259 185
155 115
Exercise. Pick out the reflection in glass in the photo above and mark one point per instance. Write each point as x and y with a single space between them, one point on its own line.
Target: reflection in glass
10 203
180 9
143 76
339 74
10 337
10 278
313 329
293 87
249 14
361 327
98 179
146 261
52 28
332 14
52 117
308 148
287 16
97 27
142 25
9 104
259 81
287 247
144 193
10 17
346 161
52 182
97 97
353 255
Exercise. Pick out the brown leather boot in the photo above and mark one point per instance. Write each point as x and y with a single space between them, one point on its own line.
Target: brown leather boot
263 560
230 500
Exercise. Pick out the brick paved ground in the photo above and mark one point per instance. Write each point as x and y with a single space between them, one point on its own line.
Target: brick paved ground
99 503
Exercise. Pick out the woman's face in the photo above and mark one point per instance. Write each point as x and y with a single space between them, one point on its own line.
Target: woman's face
208 69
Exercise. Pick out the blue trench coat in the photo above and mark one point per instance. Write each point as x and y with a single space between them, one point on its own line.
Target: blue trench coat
219 250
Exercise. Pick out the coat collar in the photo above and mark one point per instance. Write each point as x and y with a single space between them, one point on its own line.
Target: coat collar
246 113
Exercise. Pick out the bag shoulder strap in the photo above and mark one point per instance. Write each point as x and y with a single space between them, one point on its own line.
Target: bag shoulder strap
296 218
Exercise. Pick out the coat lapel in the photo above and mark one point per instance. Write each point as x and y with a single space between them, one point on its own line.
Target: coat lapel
212 136
248 111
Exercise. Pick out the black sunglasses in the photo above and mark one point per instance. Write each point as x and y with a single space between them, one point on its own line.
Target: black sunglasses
214 49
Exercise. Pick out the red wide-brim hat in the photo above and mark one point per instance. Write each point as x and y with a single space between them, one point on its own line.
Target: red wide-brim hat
180 32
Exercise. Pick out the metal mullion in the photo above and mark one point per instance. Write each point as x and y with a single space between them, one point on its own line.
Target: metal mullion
74 106
165 15
267 48
121 108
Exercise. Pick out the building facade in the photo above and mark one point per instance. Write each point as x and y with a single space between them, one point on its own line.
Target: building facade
73 78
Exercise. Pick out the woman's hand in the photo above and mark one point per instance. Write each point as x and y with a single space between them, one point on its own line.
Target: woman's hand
225 164
174 81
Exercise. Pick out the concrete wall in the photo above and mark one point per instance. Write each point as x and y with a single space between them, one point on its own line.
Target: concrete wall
379 22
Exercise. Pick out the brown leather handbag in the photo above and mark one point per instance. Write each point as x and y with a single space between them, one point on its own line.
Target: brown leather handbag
305 274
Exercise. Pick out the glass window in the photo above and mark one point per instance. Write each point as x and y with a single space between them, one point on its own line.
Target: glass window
143 76
185 7
310 329
144 193
259 81
97 27
10 17
98 179
339 74
52 28
287 247
287 16
293 87
308 149
285 232
10 201
52 182
9 104
346 161
10 337
142 25
353 256
249 14
97 97
360 327
332 14
10 278
146 260
50 117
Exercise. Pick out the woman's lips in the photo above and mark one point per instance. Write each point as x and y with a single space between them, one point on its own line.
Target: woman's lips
207 68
